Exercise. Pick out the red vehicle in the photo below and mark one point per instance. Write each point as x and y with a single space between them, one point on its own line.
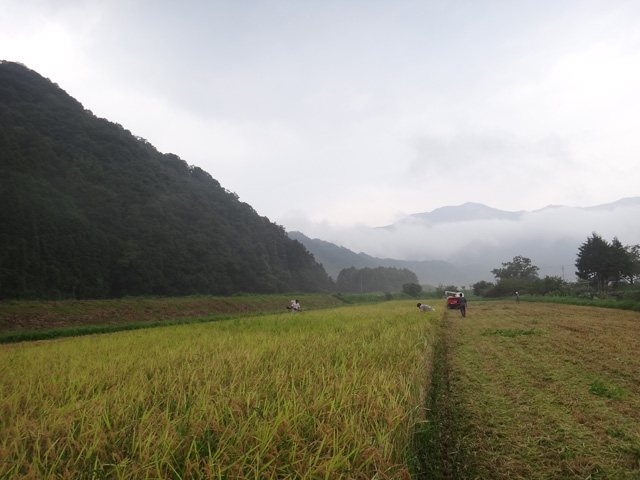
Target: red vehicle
452 299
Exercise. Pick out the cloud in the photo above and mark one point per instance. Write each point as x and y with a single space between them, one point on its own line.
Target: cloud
531 235
356 113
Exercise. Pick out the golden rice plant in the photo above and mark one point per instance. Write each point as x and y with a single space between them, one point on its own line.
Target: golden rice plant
320 394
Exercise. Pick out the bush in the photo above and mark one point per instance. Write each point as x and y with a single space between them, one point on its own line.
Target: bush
440 289
483 288
412 289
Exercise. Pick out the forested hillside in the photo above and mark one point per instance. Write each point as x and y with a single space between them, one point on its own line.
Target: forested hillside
369 280
88 210
335 258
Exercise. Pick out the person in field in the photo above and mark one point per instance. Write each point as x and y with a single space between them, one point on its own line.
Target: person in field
517 297
295 306
462 305
424 307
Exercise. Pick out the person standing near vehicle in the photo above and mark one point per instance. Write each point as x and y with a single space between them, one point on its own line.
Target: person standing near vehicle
462 305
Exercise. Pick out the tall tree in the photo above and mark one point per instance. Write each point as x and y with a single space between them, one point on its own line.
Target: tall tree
620 260
548 285
519 268
482 288
633 272
595 261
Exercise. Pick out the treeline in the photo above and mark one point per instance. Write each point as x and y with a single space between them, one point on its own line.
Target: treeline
90 211
599 265
369 280
600 262
520 275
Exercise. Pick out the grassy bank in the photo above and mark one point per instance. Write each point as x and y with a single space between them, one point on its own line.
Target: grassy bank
41 320
618 304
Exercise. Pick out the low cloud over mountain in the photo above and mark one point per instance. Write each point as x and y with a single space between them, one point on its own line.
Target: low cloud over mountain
472 239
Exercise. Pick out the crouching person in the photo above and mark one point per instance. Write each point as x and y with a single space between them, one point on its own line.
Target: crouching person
424 307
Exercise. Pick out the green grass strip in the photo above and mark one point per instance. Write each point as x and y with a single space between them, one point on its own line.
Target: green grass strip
435 451
33 335
632 305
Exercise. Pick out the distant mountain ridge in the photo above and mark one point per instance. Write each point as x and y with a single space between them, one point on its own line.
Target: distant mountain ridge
623 202
461 244
477 211
465 212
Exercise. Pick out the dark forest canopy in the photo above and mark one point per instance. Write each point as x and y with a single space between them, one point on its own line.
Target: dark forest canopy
91 211
368 280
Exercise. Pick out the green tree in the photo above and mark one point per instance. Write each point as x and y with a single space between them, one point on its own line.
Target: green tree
601 262
482 288
509 286
595 261
441 289
633 272
519 268
412 289
369 280
548 285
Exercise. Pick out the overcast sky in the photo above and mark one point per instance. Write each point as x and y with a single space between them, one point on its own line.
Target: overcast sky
343 113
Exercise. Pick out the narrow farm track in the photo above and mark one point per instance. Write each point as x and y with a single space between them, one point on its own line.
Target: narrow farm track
437 444
544 391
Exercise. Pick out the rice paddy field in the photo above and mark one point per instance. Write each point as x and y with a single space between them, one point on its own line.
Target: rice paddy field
512 391
319 394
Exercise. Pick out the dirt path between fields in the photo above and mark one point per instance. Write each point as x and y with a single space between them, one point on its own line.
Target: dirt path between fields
437 452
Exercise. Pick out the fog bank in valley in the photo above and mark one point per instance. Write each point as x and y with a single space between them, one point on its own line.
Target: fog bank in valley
550 237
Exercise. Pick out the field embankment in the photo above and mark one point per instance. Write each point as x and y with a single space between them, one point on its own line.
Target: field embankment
79 314
544 391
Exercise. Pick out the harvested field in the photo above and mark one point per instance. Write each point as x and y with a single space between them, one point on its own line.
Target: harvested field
545 391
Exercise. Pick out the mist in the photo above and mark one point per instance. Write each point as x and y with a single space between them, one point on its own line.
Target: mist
550 237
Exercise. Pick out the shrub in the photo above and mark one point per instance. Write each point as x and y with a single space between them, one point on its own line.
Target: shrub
412 289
